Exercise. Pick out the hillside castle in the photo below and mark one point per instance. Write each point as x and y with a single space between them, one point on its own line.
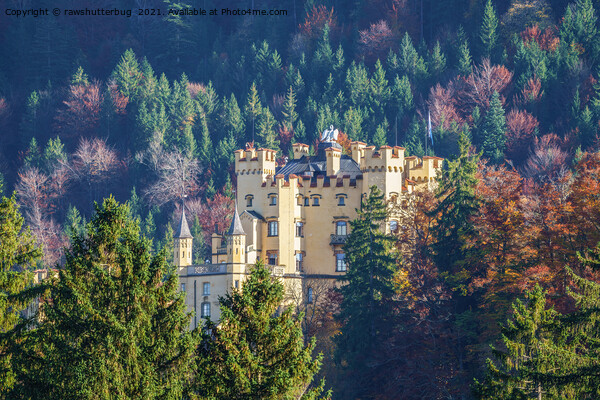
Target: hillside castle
296 217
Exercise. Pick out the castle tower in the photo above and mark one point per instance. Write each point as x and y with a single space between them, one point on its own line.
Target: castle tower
183 243
236 240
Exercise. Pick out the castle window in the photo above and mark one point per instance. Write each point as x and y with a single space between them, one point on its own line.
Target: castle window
341 228
315 201
205 310
299 229
299 200
341 201
272 257
309 295
273 228
236 284
306 202
273 200
394 226
183 287
340 262
299 262
206 289
249 199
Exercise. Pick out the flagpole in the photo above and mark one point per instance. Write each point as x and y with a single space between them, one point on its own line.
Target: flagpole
426 138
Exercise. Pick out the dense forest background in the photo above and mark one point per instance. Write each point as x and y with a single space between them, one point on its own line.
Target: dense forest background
151 109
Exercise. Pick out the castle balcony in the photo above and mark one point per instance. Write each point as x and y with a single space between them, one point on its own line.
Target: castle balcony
216 269
338 239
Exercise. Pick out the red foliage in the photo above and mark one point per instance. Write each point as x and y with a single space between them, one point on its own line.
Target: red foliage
442 105
316 19
376 41
520 130
82 110
531 92
118 100
477 88
213 214
285 135
546 40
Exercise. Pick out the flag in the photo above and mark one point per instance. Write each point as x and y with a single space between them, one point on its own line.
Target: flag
429 126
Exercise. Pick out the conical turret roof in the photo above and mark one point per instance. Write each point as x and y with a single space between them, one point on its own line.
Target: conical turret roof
183 231
236 224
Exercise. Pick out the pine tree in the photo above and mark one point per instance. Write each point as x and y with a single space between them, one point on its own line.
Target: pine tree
465 63
231 118
323 58
205 148
493 130
253 110
30 123
266 133
524 338
488 32
149 227
353 124
410 62
198 246
379 91
457 202
115 327
135 205
380 136
437 62
367 308
289 109
80 77
54 154
74 224
127 75
18 253
33 157
256 352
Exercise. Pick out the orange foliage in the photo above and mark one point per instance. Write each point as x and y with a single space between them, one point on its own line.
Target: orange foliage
82 111
344 141
531 92
376 41
546 40
316 19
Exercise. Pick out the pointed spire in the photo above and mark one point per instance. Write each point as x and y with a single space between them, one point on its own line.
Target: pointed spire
183 232
236 224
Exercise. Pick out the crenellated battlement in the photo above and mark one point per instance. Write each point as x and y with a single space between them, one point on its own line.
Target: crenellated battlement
300 150
423 171
255 162
386 159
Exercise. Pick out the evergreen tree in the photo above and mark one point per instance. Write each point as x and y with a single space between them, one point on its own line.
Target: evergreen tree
353 124
410 62
149 227
231 118
205 149
253 110
367 308
74 223
33 157
488 32
465 62
579 28
135 205
127 75
524 338
357 84
457 202
256 352
437 63
289 109
30 123
198 246
18 253
493 130
323 58
380 136
266 130
379 91
115 327
54 154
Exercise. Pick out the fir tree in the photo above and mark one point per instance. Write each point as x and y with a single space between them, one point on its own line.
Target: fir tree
30 123
410 62
266 130
437 62
127 75
74 223
465 62
149 227
379 91
256 352
488 32
253 110
116 326
353 124
367 308
18 253
33 157
80 77
380 136
198 246
135 205
493 130
205 149
231 118
457 202
289 109
54 154
524 338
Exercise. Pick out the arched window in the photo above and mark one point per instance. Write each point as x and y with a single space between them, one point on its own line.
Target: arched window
205 310
309 295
